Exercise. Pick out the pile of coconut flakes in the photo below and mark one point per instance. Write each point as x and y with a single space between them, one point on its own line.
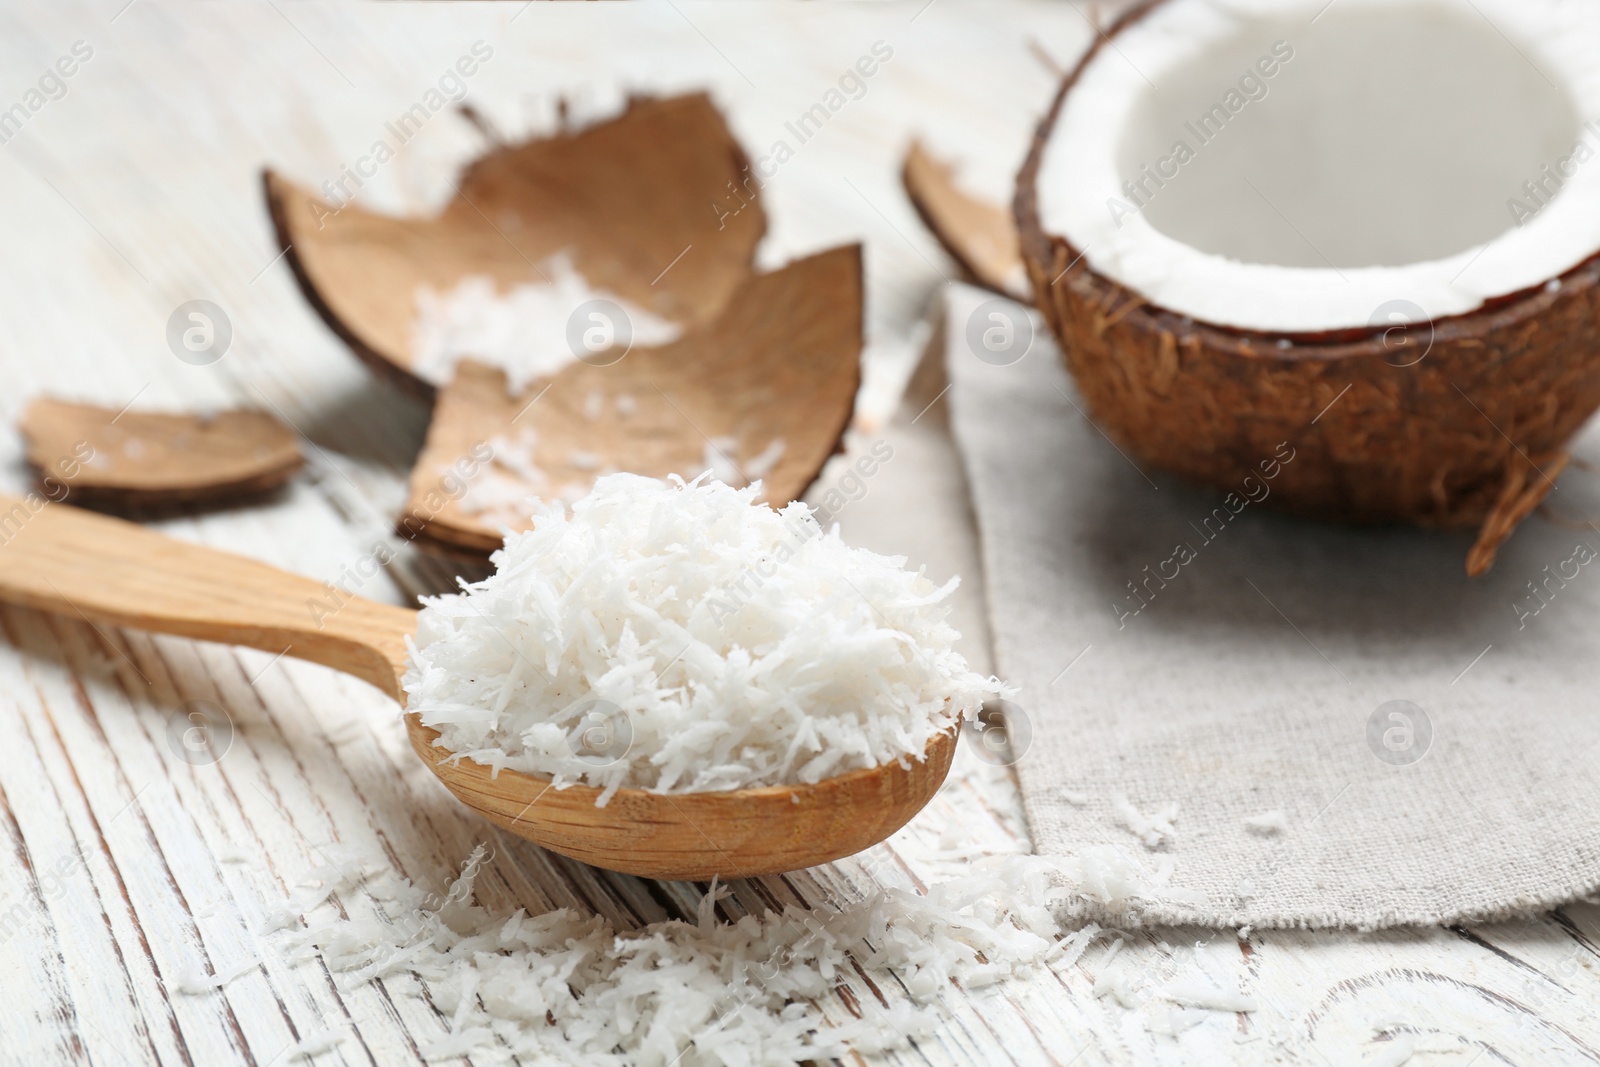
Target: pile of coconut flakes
708 642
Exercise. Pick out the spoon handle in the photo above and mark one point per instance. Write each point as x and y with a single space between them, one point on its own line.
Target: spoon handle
57 558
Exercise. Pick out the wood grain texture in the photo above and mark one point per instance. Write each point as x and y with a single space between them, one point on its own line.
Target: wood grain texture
698 836
120 861
68 561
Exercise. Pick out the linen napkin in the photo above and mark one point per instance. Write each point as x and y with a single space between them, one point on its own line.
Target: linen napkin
1352 732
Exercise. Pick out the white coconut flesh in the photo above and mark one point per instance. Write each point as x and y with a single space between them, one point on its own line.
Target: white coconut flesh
1294 166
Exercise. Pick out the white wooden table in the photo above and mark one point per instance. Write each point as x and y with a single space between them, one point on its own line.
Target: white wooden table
127 868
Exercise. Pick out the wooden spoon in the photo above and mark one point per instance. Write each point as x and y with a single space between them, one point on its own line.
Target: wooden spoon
60 559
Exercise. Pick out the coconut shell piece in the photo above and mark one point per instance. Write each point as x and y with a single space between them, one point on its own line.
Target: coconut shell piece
650 205
781 363
153 461
1457 423
977 234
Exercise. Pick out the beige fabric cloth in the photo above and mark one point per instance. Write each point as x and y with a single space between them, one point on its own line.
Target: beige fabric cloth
1259 678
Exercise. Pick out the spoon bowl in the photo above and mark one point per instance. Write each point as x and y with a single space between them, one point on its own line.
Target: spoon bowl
733 834
57 558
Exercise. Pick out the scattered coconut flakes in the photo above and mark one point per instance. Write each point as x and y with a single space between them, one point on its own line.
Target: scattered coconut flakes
281 917
725 645
1073 797
523 332
318 1042
1154 829
193 982
594 402
1268 823
1118 984
504 491
760 465
586 461
498 498
1070 949
563 988
626 404
515 454
1195 993
1174 1022
718 459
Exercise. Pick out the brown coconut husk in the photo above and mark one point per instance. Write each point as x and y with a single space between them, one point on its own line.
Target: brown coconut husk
980 236
152 462
652 205
1471 435
656 206
783 360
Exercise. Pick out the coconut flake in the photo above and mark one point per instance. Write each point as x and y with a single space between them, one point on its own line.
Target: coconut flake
1154 829
1268 823
717 458
1173 1022
315 1044
524 332
193 982
679 637
760 465
1194 993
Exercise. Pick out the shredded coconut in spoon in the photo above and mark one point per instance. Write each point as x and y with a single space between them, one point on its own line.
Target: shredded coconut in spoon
524 332
680 637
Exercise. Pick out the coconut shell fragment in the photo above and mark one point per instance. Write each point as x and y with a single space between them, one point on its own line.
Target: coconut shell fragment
765 391
1461 422
977 234
651 205
138 461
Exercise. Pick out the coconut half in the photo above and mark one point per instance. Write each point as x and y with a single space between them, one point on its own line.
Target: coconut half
1366 228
